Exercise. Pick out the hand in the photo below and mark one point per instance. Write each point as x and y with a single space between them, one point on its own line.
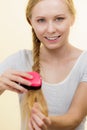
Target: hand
9 81
38 121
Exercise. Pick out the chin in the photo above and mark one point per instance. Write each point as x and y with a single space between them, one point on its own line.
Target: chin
53 47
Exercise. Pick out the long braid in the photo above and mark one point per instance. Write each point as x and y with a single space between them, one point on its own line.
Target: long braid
34 96
37 96
36 52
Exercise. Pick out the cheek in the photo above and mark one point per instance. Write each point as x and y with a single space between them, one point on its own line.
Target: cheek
39 30
65 27
38 33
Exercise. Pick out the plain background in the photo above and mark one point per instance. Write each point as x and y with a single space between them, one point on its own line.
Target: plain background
15 34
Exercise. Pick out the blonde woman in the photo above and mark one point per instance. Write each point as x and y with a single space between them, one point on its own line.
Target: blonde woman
60 104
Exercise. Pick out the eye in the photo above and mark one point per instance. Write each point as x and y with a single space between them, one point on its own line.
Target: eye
60 19
41 20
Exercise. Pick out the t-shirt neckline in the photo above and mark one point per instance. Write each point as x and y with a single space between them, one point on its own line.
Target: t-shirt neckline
63 81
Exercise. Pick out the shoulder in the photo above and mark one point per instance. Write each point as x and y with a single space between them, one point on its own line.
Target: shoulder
17 60
26 54
23 52
18 55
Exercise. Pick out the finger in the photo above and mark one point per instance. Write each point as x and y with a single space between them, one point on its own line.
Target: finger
39 122
15 90
6 87
10 85
18 79
20 73
17 87
41 116
35 126
30 126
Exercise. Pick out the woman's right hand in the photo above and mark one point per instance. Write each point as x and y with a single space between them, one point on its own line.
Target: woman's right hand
10 78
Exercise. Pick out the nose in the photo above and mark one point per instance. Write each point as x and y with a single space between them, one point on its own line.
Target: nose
51 27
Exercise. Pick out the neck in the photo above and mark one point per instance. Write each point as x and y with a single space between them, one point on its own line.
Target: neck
57 54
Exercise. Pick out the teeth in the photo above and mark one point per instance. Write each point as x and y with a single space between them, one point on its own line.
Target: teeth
52 38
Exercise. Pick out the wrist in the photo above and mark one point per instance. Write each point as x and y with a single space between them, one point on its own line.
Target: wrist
63 122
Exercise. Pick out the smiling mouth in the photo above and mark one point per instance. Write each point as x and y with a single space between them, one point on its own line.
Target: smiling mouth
53 38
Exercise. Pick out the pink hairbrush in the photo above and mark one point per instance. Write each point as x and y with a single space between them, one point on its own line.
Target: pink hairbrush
36 81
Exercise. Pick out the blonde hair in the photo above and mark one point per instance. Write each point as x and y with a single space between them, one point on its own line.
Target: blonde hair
37 96
71 7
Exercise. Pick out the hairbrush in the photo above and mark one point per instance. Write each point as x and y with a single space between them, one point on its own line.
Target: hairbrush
35 81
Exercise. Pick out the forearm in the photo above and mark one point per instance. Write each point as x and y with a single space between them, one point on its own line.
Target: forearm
65 122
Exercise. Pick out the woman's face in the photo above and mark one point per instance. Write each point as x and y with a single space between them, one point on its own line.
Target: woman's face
51 21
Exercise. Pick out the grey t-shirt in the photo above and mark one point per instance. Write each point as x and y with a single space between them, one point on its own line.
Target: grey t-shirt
59 95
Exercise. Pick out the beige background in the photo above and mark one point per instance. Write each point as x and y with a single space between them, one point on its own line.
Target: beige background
15 34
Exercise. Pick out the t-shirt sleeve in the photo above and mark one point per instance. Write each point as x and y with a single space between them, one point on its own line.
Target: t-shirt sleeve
10 62
84 76
83 70
20 60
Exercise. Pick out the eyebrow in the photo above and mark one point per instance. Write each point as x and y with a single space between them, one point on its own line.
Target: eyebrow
60 15
40 17
54 16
